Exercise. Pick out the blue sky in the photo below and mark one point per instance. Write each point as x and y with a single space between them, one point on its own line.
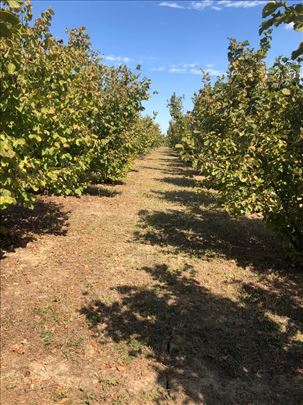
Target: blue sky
171 40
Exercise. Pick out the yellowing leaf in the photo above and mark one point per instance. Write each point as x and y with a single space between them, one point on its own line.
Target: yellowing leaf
11 68
286 92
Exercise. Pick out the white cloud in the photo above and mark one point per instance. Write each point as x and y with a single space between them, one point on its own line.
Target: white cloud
214 72
115 58
158 69
213 4
241 3
195 71
211 72
170 4
190 65
176 70
289 26
188 68
201 5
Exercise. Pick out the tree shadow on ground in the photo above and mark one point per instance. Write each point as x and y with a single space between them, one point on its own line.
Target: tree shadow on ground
205 233
179 181
180 168
188 198
172 162
203 230
207 348
173 171
172 165
167 151
110 182
23 225
181 171
152 168
97 190
175 163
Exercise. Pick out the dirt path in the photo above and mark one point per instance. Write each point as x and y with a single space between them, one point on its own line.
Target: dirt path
144 293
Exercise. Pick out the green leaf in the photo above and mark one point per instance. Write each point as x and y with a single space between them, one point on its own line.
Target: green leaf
266 24
11 68
6 17
270 8
298 52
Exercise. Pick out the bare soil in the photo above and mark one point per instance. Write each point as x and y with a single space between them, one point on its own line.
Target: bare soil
146 292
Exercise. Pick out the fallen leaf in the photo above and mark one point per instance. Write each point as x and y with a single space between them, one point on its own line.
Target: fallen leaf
106 365
18 349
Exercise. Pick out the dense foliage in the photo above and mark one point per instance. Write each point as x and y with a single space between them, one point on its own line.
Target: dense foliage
66 118
245 133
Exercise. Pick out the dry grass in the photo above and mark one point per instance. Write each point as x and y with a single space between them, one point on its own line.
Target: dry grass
146 292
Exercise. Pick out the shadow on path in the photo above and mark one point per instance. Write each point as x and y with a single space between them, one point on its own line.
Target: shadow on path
24 225
179 181
210 349
204 233
201 229
188 197
97 190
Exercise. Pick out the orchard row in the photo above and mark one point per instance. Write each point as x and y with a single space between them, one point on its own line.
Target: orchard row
67 119
245 134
